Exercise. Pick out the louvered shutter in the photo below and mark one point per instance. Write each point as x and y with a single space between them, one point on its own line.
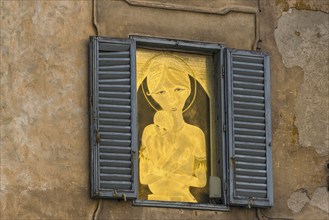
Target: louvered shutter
249 128
113 118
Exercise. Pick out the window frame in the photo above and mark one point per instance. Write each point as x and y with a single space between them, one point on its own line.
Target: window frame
217 51
224 103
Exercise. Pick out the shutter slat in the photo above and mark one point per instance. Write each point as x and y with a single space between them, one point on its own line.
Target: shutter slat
115 177
251 159
248 72
251 179
124 68
114 121
244 131
249 128
114 128
114 131
249 59
120 108
115 135
244 78
116 142
120 88
107 47
252 112
250 145
249 105
107 94
113 61
251 152
113 156
249 98
247 85
254 186
245 91
123 185
115 170
115 163
251 172
115 81
123 54
251 193
119 101
248 138
108 114
115 149
248 118
249 125
248 65
116 72
246 165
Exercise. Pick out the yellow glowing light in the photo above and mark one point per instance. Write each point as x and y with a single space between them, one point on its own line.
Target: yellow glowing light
173 152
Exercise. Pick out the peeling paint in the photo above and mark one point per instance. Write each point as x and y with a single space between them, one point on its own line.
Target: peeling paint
309 50
313 5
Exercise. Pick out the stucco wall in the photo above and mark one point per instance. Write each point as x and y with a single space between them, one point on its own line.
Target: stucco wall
44 110
44 104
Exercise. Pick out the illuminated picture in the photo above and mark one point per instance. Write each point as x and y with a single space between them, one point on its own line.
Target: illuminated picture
173 152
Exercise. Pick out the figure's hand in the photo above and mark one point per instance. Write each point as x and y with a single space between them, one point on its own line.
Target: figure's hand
155 170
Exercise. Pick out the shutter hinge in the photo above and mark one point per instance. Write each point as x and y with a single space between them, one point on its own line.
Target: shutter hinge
133 155
116 195
224 127
223 71
98 137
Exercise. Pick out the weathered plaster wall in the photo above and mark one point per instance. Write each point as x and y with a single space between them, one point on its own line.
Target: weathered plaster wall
302 38
298 42
210 22
44 116
44 131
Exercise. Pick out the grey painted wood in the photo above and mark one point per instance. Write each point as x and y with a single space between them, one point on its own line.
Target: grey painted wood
113 130
249 128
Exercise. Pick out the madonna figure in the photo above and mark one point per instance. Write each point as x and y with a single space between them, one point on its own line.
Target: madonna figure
172 152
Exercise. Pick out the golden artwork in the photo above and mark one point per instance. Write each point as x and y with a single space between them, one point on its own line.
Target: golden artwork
173 152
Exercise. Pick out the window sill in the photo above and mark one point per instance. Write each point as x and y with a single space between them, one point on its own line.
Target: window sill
182 205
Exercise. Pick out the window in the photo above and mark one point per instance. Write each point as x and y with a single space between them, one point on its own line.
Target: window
147 146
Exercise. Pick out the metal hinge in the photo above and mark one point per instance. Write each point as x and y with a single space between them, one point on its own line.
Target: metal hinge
133 155
224 127
223 71
98 137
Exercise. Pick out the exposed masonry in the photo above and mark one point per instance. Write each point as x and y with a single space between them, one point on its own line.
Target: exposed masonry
320 199
298 200
302 38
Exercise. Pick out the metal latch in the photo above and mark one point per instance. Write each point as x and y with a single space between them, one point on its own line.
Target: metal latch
250 202
116 196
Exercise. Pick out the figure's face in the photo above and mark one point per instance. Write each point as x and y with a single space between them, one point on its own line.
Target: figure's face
171 97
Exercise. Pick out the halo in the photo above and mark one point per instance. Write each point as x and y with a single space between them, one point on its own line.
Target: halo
191 73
